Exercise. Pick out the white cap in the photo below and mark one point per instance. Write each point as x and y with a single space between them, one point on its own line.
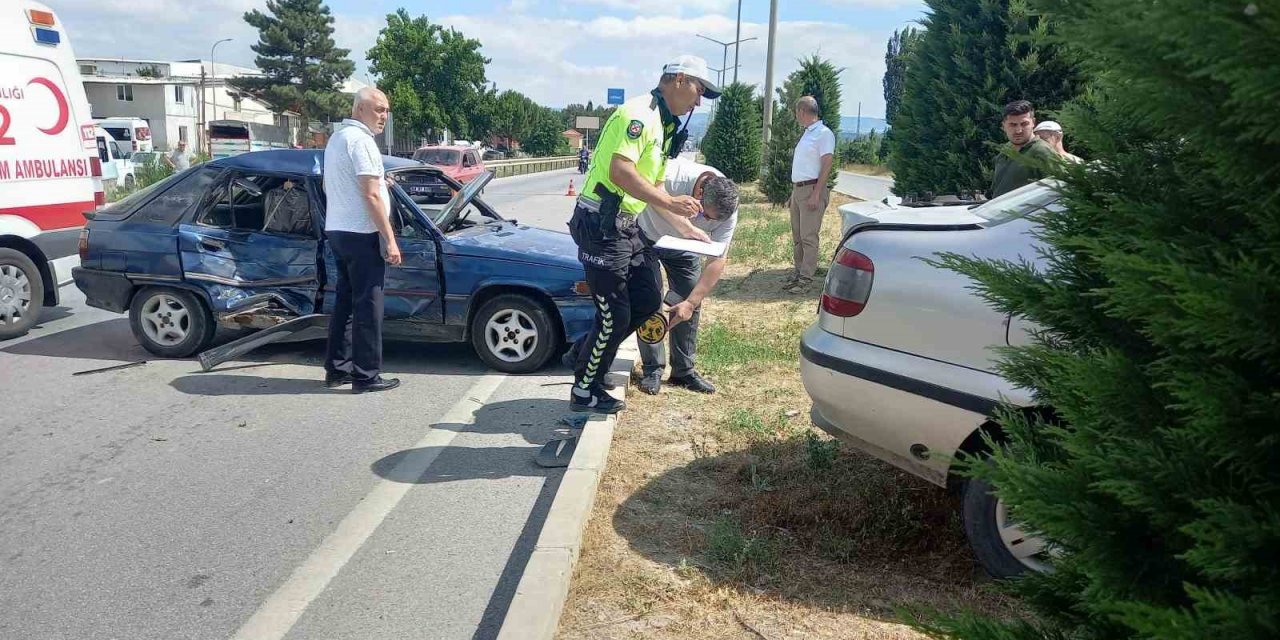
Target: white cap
1049 125
694 67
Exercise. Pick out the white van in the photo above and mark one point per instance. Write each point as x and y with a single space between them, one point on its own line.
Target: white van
117 163
50 171
134 134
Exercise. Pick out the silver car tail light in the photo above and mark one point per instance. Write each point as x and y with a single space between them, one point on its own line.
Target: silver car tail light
848 284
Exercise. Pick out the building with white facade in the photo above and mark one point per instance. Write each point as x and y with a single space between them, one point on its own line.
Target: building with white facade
177 98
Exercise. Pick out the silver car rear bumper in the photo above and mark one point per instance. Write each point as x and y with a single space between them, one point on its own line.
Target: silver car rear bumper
910 411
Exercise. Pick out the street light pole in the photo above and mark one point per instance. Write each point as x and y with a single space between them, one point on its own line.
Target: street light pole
213 77
768 74
736 42
724 58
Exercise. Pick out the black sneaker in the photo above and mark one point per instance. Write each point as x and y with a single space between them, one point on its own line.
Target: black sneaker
651 383
597 402
336 379
693 382
377 384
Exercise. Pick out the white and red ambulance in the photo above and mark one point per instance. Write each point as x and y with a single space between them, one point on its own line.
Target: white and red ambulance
50 172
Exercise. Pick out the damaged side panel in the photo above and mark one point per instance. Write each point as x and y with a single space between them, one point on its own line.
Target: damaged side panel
243 270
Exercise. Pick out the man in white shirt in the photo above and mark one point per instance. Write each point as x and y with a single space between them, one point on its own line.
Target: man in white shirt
358 230
179 159
810 169
687 276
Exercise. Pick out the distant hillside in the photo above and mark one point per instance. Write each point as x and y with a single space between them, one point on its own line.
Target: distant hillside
848 126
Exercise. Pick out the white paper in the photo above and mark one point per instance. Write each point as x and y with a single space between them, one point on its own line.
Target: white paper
713 249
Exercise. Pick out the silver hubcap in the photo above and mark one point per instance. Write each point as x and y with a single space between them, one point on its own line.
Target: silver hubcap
15 294
511 335
1031 551
165 320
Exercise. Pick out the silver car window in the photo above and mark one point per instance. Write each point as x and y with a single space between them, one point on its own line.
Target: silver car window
1018 203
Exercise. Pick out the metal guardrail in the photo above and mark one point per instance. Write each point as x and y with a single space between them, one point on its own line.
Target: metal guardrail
521 166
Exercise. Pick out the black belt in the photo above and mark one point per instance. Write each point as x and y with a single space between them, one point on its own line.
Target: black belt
805 183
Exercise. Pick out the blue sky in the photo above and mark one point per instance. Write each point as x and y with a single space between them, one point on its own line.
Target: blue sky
554 52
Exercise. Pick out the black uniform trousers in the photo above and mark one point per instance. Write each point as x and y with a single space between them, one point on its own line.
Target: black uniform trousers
623 275
355 324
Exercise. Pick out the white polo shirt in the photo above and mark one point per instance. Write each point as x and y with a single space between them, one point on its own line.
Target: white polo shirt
351 152
682 175
817 141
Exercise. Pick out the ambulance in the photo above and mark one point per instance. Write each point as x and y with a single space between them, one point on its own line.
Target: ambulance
50 171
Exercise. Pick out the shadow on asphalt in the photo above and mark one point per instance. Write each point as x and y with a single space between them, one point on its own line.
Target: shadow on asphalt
535 419
108 340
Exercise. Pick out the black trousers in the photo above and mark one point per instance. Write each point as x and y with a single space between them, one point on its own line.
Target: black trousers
355 323
622 272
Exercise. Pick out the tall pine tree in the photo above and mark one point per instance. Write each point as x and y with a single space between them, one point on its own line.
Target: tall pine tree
1159 348
815 77
896 57
974 58
303 69
733 140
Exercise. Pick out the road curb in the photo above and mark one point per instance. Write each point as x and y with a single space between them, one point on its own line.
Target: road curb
534 613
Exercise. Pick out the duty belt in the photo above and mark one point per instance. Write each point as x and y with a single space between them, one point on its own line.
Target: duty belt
622 221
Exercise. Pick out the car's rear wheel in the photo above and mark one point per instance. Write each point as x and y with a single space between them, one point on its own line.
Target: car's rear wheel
170 322
998 541
21 293
514 333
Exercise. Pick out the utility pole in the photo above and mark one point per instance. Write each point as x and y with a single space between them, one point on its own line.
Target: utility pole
768 74
858 127
213 76
737 40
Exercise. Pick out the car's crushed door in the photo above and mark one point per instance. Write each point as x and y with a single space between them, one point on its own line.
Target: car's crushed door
252 246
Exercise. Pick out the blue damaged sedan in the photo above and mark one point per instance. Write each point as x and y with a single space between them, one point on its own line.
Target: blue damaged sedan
238 243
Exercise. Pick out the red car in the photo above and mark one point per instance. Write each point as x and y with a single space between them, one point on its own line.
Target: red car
460 163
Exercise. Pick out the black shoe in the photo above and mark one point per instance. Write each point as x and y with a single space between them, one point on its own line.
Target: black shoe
693 382
651 383
597 402
377 384
337 379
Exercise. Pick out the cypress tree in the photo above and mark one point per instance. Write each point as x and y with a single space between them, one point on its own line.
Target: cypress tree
973 58
733 140
1159 350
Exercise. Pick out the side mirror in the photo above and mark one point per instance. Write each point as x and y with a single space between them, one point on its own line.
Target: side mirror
248 187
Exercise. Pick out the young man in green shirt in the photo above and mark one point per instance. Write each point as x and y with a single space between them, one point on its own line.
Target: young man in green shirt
625 175
1022 161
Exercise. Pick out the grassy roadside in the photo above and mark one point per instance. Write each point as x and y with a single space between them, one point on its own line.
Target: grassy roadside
730 516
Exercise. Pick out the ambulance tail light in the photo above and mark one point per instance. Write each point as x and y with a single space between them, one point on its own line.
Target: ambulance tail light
95 169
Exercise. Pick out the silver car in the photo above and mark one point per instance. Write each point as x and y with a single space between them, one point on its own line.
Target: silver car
900 360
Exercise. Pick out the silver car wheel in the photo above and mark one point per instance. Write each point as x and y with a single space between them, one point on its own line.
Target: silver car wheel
1031 551
511 335
165 320
15 294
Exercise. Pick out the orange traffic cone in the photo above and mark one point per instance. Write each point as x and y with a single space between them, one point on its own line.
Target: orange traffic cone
571 191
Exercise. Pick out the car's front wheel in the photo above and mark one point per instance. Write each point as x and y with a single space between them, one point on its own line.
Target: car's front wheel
998 541
514 333
21 293
170 322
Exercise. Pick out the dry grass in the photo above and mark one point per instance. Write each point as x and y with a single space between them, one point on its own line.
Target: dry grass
732 517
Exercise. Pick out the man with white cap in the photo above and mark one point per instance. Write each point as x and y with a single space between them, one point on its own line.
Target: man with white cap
626 175
1051 132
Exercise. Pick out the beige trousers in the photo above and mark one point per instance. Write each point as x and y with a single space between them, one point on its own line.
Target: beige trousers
805 225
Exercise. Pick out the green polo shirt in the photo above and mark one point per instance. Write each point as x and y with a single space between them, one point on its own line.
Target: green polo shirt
640 130
1024 167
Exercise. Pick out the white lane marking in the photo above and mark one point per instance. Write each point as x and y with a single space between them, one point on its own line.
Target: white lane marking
281 611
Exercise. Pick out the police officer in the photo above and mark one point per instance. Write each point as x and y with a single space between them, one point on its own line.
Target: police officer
625 175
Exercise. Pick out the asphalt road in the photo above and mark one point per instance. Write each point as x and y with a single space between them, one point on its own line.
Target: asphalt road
537 199
869 188
155 501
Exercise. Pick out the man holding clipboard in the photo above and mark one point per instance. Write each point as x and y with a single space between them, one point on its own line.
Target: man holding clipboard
689 280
